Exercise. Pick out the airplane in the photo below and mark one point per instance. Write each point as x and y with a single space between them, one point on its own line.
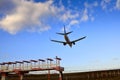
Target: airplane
65 34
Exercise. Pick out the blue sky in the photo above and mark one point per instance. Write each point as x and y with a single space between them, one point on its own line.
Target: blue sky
26 27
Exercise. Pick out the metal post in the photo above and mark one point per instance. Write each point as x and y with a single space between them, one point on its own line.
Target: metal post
3 76
47 64
60 75
48 74
41 63
57 61
31 65
21 76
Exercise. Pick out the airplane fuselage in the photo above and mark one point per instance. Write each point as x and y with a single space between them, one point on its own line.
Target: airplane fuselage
67 40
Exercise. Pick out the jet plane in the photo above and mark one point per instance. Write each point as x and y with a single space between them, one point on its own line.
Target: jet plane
67 40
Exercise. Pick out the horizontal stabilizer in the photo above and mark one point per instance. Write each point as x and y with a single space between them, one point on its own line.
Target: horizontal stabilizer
69 32
65 33
60 33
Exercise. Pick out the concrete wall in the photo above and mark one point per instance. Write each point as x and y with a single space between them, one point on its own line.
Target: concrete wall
93 75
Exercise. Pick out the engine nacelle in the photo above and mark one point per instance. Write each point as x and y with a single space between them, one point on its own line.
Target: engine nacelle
73 43
64 44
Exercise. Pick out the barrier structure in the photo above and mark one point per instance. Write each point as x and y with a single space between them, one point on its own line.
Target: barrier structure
22 67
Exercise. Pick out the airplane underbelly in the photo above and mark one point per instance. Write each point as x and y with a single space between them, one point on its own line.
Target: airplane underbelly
67 39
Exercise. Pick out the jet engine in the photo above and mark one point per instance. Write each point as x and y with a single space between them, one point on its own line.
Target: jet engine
73 43
64 44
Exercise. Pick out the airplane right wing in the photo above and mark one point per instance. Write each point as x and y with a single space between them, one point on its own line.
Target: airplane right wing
78 39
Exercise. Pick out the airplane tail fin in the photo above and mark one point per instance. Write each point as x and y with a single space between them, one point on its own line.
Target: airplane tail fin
65 33
64 29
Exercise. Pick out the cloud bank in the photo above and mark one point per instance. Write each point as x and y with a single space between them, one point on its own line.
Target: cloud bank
36 16
118 4
33 16
27 15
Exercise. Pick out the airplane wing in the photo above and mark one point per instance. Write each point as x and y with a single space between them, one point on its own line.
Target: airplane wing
58 41
64 43
78 39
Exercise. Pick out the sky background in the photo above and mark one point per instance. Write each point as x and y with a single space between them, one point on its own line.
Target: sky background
26 27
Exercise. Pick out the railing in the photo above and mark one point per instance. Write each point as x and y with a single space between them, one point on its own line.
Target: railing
39 64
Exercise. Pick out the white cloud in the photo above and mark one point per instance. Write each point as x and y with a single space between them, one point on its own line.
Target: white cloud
68 15
27 15
88 5
88 11
33 16
95 4
104 4
73 22
118 4
84 16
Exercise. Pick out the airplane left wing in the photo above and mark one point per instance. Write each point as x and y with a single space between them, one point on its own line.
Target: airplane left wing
78 39
58 41
64 43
